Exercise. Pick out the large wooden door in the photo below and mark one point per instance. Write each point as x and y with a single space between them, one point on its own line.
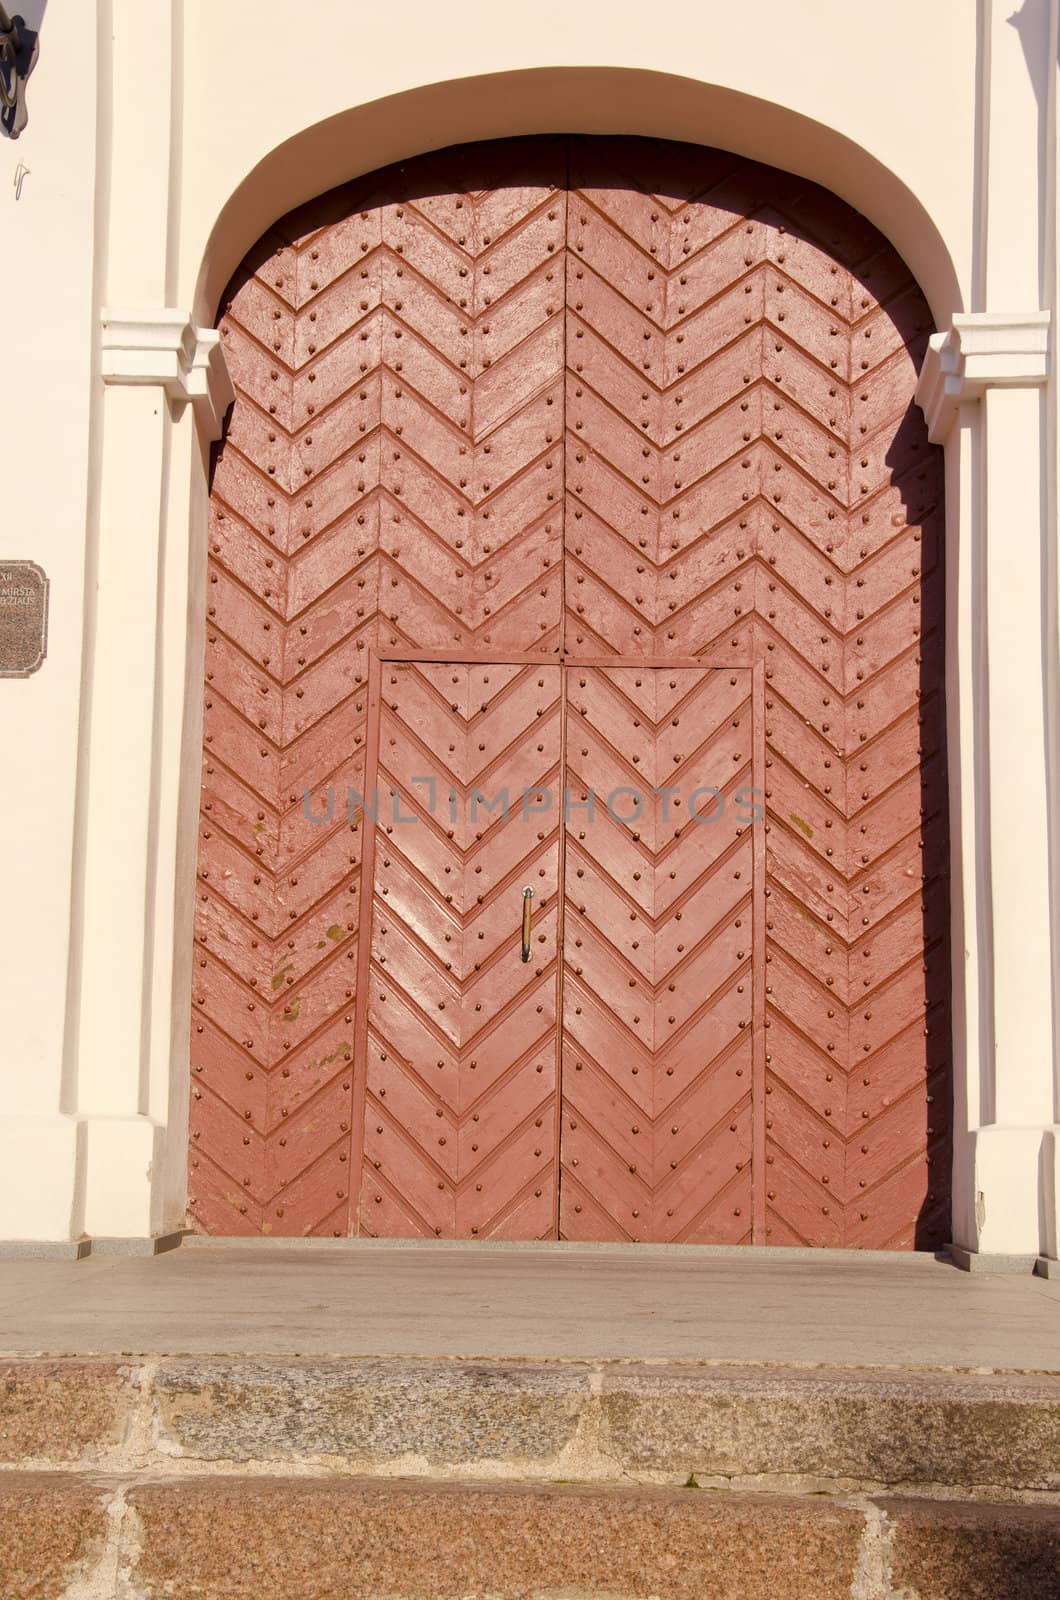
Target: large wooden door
608 400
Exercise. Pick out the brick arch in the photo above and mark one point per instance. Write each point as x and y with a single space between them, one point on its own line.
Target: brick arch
564 396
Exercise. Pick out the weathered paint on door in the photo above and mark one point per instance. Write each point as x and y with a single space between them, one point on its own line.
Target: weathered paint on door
607 399
460 1053
658 934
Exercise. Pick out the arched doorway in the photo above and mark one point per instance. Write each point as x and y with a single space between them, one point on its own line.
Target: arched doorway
582 472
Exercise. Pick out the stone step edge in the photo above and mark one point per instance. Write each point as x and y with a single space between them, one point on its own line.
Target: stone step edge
776 1428
69 1534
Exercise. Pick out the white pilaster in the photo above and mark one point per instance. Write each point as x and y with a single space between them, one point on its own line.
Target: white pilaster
1013 202
164 394
988 373
988 393
160 372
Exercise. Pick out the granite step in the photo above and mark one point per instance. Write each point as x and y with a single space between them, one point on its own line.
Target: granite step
778 1428
66 1536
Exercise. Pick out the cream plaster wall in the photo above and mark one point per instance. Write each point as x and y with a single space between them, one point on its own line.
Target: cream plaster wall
47 358
214 117
848 94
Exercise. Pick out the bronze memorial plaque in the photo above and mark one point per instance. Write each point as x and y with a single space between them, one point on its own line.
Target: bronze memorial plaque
23 618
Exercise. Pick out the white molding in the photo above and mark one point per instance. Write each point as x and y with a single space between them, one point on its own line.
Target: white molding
165 347
981 350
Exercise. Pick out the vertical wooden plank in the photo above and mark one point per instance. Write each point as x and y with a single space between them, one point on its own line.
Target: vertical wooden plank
561 936
759 1043
369 825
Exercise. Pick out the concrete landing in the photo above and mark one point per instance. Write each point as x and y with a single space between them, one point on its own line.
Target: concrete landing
278 1421
567 1302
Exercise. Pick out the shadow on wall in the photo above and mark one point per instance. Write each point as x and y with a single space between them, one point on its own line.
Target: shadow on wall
917 471
1032 24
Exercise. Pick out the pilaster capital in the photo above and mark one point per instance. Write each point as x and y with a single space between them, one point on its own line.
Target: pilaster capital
979 351
164 347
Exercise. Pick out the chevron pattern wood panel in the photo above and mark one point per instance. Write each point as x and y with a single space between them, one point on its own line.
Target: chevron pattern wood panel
615 398
392 473
460 1114
656 1133
746 470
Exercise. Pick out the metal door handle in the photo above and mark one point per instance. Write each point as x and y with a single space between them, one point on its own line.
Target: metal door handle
528 898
